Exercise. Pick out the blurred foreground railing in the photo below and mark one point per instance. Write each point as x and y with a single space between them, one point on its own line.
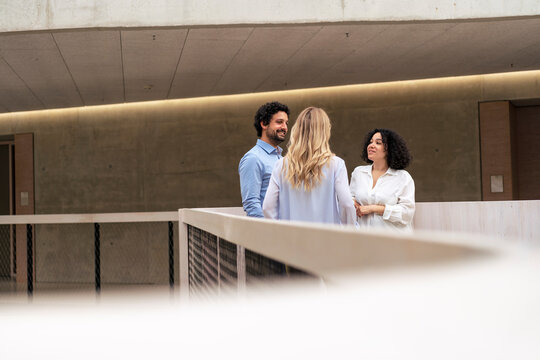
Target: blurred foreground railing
214 249
150 232
221 250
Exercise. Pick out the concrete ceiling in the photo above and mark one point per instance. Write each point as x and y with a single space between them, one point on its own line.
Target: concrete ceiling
57 69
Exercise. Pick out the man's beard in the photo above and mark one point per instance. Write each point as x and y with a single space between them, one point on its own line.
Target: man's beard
274 136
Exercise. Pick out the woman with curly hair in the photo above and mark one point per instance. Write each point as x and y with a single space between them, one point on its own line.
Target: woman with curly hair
310 183
383 192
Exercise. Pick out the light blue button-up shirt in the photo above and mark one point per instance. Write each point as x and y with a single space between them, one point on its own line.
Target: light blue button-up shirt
329 202
255 170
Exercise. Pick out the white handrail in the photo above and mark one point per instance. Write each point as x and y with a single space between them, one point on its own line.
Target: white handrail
329 251
511 220
505 220
89 218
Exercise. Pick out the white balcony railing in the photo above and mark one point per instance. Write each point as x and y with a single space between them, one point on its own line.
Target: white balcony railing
446 233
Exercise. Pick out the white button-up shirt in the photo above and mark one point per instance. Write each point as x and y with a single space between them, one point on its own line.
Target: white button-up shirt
329 202
394 189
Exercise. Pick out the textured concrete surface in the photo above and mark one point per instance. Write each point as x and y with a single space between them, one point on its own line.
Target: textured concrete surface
166 155
131 253
27 15
56 69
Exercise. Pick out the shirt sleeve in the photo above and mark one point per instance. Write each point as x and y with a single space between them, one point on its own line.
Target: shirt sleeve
345 202
403 211
271 199
352 186
250 185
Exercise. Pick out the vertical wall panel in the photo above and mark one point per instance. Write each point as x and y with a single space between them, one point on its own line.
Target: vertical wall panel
496 148
527 141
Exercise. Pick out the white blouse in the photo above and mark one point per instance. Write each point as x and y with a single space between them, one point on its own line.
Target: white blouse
394 189
329 202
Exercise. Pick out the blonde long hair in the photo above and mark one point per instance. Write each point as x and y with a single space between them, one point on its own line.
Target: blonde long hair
308 149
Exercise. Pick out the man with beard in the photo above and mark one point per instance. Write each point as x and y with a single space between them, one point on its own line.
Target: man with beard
256 165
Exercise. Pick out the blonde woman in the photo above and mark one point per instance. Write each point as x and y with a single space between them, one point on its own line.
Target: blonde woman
310 183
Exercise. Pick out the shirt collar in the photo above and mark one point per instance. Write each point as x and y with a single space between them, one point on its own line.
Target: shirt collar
269 148
367 169
391 171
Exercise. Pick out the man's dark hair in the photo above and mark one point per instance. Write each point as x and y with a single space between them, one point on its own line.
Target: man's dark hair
397 154
266 112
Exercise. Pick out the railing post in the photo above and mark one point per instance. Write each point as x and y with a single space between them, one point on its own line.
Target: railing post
97 257
218 240
183 256
29 260
241 267
171 255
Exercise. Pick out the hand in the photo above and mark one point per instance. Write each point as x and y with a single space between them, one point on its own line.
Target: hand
361 210
364 210
357 207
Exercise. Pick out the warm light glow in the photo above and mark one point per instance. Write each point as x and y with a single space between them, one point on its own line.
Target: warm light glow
379 89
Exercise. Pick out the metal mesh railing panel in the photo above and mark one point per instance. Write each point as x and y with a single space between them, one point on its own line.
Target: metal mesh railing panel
213 265
66 256
134 253
203 262
258 266
6 251
228 263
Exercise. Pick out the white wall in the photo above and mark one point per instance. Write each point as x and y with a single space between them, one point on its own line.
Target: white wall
514 221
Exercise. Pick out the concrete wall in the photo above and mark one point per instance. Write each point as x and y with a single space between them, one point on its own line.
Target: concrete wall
131 253
166 155
27 15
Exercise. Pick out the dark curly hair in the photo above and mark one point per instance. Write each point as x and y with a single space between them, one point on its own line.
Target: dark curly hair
266 112
397 154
